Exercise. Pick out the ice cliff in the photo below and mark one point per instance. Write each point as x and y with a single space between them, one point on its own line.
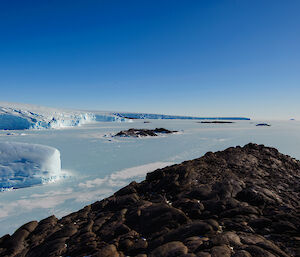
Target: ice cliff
15 116
131 115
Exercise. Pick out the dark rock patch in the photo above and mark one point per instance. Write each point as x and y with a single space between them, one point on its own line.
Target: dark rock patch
144 132
215 122
263 125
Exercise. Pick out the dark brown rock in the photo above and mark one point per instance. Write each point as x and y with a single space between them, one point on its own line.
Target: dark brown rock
221 251
194 243
107 251
203 254
241 253
171 249
143 132
258 252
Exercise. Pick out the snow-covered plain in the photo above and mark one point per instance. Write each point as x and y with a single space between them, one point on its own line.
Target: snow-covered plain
24 164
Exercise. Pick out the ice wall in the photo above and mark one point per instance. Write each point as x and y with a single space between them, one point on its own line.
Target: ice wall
23 164
8 121
172 117
23 116
110 118
14 116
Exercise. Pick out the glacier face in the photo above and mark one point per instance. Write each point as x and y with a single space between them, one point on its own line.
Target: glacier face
23 116
24 164
9 121
131 115
110 118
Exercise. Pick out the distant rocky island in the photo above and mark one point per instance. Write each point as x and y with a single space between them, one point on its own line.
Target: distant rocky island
215 122
144 132
263 125
240 202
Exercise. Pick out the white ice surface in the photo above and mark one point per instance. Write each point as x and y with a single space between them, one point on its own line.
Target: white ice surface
23 164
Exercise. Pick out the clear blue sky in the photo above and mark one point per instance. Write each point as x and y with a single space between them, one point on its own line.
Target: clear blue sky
203 57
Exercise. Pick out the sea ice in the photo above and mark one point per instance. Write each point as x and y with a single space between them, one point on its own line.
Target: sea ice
23 164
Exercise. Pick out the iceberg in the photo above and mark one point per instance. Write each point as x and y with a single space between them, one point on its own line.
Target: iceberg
23 165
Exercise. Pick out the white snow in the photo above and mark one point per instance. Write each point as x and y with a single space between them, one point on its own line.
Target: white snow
120 177
23 164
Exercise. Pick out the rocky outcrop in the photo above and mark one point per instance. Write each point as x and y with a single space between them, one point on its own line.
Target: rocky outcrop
143 132
263 125
240 202
215 122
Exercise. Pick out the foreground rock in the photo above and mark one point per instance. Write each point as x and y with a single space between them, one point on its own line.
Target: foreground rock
143 132
240 202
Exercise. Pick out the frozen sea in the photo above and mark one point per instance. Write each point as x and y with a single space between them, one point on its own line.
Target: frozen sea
96 165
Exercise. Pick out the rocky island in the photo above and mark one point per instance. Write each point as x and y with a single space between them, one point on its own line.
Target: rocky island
263 125
215 122
241 202
144 132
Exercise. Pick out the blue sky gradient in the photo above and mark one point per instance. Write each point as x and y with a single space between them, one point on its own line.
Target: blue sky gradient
204 58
